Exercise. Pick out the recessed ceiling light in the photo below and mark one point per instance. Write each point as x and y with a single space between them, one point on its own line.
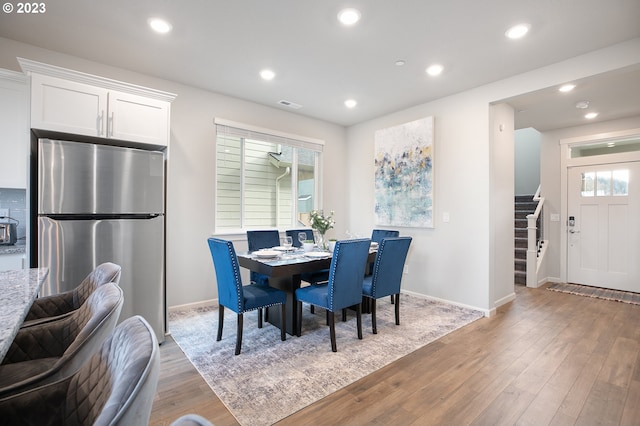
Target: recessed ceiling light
582 104
518 31
349 16
435 69
400 63
567 88
159 25
591 115
350 103
267 74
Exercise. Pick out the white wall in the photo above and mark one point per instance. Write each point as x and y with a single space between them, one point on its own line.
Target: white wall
527 161
190 186
442 261
550 183
454 261
501 236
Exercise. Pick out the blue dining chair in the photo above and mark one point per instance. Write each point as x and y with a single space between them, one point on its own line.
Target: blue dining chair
376 237
378 234
310 277
293 233
262 239
344 288
257 240
387 274
233 295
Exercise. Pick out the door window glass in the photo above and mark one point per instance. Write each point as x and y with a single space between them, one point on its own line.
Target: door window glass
621 182
605 183
588 184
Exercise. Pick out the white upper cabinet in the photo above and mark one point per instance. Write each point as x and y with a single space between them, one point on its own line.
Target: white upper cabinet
72 102
137 118
67 106
14 129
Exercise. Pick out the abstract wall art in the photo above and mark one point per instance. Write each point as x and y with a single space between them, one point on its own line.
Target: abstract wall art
404 175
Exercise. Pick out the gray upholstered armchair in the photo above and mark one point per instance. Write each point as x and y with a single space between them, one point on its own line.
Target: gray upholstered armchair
116 386
50 351
50 308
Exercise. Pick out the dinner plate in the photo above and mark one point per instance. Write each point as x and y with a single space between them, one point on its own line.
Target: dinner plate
266 254
282 248
317 254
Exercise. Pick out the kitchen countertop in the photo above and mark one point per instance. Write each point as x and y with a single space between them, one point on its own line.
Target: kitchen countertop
18 290
18 247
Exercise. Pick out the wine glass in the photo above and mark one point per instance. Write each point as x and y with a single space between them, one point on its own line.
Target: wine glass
287 242
302 237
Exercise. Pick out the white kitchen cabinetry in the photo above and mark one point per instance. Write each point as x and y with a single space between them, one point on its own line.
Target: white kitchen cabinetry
72 102
14 129
10 262
136 118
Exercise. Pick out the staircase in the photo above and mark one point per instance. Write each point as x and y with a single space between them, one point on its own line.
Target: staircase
524 205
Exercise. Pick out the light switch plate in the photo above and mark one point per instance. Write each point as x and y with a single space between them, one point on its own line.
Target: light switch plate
4 212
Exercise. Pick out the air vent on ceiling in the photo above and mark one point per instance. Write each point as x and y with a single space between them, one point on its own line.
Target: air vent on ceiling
290 104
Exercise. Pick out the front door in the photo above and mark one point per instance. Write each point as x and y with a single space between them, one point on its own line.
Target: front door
604 226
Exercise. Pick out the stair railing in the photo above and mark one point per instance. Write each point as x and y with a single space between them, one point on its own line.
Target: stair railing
534 239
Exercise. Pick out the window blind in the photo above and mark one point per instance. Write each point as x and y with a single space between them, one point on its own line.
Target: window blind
231 129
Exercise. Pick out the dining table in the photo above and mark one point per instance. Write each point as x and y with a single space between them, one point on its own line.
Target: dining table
284 272
18 290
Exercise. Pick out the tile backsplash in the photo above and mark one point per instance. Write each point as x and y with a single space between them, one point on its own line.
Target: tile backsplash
16 201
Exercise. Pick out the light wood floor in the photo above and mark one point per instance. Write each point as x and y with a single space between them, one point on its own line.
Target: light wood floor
547 358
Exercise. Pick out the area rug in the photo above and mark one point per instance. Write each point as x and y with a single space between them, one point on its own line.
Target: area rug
597 292
272 379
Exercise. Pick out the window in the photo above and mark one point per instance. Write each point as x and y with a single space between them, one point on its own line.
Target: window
264 179
605 183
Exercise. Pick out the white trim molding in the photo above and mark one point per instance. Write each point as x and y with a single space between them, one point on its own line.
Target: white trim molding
29 66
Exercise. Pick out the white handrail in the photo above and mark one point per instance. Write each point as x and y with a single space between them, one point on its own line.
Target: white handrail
532 242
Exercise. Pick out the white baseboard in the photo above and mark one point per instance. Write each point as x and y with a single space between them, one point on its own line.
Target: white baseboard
486 312
549 280
509 298
214 302
201 304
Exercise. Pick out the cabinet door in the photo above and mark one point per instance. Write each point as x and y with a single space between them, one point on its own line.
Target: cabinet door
14 131
138 119
10 262
66 106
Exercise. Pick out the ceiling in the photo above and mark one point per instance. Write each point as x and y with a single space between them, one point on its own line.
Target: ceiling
319 63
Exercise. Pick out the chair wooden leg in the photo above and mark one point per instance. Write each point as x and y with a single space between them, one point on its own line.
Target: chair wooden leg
374 324
299 315
260 316
359 320
398 309
312 309
220 322
239 339
392 299
344 314
283 326
332 331
266 314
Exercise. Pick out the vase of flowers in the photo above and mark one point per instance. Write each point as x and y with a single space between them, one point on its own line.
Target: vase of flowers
321 224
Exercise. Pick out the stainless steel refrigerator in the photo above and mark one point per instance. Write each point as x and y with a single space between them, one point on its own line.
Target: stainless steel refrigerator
100 203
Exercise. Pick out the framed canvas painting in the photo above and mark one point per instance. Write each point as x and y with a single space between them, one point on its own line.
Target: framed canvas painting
404 175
